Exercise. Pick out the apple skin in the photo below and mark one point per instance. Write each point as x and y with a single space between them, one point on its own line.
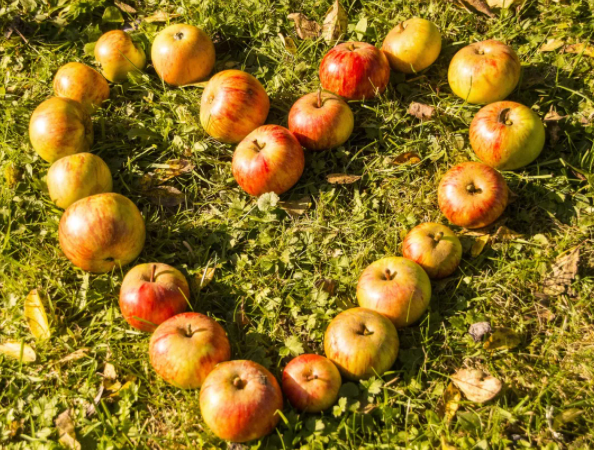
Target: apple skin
182 54
484 72
321 121
233 104
269 159
311 383
507 135
434 247
355 71
362 343
118 55
60 127
239 400
100 232
77 176
81 83
412 45
472 195
152 293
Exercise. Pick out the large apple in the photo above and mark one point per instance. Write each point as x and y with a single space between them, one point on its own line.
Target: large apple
434 247
185 348
100 232
412 45
118 55
182 54
507 135
60 127
151 293
311 383
321 121
362 343
233 104
472 195
77 176
484 72
269 159
355 71
239 401
81 83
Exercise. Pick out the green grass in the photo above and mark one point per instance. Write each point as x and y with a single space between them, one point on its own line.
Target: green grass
264 292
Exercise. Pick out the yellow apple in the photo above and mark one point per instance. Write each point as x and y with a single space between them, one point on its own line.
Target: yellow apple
81 83
118 55
412 45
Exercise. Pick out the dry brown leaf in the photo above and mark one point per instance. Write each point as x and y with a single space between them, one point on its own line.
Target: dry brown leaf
13 350
481 6
160 16
421 111
36 316
406 158
563 273
66 433
477 386
125 7
553 116
502 3
78 354
327 284
479 244
204 277
551 45
503 233
165 172
305 28
342 178
288 43
167 196
502 338
296 207
581 48
335 23
449 402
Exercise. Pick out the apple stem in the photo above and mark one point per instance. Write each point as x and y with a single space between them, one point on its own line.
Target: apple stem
471 188
238 383
153 270
438 236
319 97
504 117
400 27
178 36
257 144
387 274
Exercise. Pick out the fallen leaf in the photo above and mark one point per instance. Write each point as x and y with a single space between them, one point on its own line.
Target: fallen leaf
125 7
267 201
167 196
89 48
406 158
551 45
36 316
117 387
201 84
327 284
580 48
160 16
204 277
479 244
288 43
481 7
445 445
305 28
78 354
66 433
335 23
553 116
565 417
112 15
165 172
479 330
342 178
502 338
503 233
12 174
449 402
477 386
563 273
502 3
421 111
13 349
109 372
296 208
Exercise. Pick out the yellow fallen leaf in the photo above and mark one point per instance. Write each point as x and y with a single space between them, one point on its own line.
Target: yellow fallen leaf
407 158
288 43
445 445
342 178
504 233
160 16
109 372
14 350
477 386
335 23
502 3
78 354
36 316
580 48
551 45
565 417
449 402
204 277
66 433
296 207
502 338
479 245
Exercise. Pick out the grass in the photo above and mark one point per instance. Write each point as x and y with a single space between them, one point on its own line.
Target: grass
266 291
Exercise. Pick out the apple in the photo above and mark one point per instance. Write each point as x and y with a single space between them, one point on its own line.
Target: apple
118 55
321 121
472 195
484 72
412 45
185 348
102 232
507 135
81 83
77 176
362 343
60 127
269 159
239 401
355 71
233 104
182 54
311 383
152 293
434 247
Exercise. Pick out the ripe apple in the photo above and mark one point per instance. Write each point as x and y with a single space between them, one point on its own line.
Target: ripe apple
185 348
182 54
118 55
484 72
60 127
472 195
355 71
362 343
233 104
321 120
412 45
269 159
77 176
152 293
434 247
81 83
100 232
311 383
507 135
239 401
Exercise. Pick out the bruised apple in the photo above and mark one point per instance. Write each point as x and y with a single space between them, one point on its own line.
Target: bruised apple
412 45
81 83
118 55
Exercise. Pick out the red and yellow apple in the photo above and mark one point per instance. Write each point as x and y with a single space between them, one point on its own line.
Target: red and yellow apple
81 83
118 55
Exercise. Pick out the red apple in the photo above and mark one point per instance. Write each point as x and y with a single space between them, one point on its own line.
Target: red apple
81 83
152 293
362 343
321 120
102 232
233 104
355 70
472 195
311 383
507 135
434 247
269 159
118 55
239 401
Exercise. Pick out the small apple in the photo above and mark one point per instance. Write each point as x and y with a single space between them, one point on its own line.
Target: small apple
472 195
412 45
118 55
100 232
60 127
81 83
239 401
311 383
233 104
182 54
77 176
355 71
484 72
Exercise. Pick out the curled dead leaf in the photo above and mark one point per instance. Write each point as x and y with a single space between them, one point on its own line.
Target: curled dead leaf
551 45
15 350
36 316
66 432
563 273
125 7
167 196
503 233
406 158
477 386
502 338
553 116
479 244
305 28
480 5
421 111
77 354
165 172
335 23
342 178
296 207
449 402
